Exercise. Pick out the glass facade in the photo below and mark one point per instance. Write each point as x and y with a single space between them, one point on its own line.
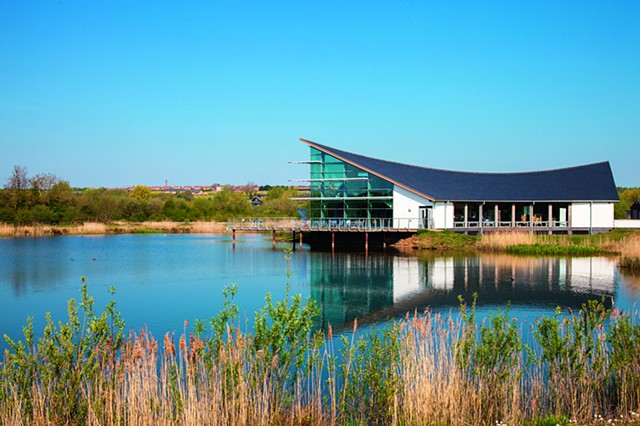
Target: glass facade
342 191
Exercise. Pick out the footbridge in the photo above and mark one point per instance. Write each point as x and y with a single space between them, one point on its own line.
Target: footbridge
347 233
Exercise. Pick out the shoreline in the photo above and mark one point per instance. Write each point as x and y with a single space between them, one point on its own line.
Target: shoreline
623 244
94 228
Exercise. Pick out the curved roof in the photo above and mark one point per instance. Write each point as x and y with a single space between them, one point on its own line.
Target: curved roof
591 182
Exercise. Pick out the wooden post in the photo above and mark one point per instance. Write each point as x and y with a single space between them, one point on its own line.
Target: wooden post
294 240
300 233
233 237
513 215
274 238
496 214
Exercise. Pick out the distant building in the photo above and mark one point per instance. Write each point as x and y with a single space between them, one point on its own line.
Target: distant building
256 201
634 211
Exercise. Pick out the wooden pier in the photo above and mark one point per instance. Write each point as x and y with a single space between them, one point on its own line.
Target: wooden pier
331 233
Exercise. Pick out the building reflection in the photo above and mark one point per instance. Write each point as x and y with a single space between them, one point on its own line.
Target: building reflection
350 286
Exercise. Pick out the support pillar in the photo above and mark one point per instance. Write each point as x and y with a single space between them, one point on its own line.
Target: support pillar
294 240
480 218
496 216
466 215
300 234
550 220
531 218
513 215
233 237
569 219
274 238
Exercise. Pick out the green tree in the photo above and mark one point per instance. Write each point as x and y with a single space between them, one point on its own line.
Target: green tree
17 186
141 193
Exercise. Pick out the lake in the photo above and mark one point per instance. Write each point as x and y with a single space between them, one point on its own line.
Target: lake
163 280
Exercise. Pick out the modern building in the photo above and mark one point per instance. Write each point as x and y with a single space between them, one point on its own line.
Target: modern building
348 188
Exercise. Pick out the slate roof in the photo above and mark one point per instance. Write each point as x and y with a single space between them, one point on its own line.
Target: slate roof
591 182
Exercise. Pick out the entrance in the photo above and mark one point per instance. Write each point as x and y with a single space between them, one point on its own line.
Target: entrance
426 217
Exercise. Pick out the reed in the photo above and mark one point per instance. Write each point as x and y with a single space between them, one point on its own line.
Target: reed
95 228
630 252
501 240
424 369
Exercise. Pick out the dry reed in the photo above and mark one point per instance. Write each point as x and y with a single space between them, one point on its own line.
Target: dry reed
94 228
501 240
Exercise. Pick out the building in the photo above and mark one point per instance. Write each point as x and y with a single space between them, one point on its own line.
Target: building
348 188
634 211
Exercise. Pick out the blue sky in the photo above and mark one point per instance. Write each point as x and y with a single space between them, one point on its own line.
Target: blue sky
125 93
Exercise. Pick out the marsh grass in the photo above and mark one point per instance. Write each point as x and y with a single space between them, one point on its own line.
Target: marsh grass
426 368
94 228
630 252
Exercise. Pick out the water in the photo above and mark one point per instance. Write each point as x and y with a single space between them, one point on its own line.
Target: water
163 280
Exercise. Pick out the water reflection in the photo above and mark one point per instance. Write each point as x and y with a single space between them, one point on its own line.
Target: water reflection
374 287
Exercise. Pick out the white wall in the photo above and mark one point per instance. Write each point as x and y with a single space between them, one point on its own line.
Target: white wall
443 216
406 208
626 223
600 215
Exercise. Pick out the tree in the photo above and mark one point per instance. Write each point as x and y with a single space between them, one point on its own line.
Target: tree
17 185
141 193
41 185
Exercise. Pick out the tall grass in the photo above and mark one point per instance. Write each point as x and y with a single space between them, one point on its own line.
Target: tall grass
630 252
424 369
95 228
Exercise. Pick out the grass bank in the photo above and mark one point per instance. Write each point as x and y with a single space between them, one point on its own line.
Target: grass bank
583 368
622 243
93 228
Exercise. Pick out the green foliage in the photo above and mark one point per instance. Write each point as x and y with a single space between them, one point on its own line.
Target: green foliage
141 193
282 333
552 421
438 240
627 197
371 376
66 356
555 250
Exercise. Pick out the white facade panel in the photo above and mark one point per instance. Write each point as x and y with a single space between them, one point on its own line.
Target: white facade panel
443 215
596 215
406 208
626 223
603 215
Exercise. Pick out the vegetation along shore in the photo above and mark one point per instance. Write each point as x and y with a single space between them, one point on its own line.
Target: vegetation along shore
577 368
625 244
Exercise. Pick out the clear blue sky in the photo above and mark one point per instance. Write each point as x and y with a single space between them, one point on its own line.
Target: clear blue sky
124 93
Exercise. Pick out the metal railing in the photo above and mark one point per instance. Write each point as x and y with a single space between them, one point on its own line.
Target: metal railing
329 224
509 224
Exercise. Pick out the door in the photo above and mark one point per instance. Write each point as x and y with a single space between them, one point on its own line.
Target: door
426 217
